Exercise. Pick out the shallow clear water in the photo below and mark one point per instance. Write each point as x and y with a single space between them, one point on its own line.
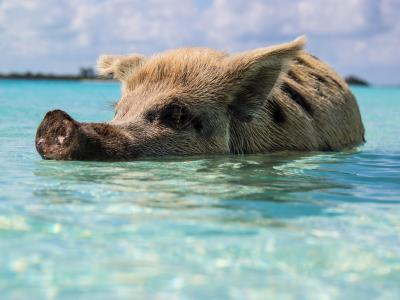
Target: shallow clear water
315 226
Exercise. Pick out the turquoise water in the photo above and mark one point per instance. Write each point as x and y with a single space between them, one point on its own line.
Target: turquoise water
287 226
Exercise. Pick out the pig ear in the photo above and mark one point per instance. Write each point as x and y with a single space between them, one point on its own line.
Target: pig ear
254 74
119 66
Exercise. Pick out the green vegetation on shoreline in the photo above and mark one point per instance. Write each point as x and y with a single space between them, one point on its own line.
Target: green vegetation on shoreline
49 77
84 74
89 74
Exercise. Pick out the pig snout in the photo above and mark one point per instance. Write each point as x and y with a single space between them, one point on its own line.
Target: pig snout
58 136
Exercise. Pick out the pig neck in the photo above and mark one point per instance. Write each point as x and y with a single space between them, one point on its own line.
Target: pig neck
251 137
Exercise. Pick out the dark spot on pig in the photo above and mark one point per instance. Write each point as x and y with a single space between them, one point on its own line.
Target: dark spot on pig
302 62
335 82
298 98
292 75
277 113
319 78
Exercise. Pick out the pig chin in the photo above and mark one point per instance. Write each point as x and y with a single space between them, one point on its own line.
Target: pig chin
60 137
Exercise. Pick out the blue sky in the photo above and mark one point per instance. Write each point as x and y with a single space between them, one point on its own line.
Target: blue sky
359 37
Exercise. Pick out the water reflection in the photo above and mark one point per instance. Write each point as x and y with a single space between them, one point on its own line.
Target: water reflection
281 224
253 188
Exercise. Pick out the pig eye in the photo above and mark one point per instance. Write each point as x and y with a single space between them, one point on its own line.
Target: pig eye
176 116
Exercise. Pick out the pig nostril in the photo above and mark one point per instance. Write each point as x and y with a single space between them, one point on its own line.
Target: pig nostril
40 141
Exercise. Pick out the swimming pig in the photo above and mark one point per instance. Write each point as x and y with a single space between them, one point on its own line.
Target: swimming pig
200 101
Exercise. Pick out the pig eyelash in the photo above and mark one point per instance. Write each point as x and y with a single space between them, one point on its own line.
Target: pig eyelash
151 116
176 116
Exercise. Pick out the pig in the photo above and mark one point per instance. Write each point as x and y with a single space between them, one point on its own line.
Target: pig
196 101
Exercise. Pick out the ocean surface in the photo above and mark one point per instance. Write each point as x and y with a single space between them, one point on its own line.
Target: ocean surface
273 226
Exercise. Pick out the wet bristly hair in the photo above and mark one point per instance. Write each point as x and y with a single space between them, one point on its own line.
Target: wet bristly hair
201 101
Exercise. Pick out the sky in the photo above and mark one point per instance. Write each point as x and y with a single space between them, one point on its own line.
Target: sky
360 37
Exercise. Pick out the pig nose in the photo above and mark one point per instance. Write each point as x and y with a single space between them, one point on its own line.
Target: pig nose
57 136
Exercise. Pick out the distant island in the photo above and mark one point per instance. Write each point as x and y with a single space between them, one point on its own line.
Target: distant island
83 74
90 74
354 80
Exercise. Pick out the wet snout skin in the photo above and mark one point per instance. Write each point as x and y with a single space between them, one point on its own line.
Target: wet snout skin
60 137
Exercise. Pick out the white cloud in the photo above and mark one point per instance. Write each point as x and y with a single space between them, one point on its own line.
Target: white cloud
111 23
327 17
355 36
60 35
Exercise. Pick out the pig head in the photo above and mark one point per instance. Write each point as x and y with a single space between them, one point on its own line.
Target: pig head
200 101
177 103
